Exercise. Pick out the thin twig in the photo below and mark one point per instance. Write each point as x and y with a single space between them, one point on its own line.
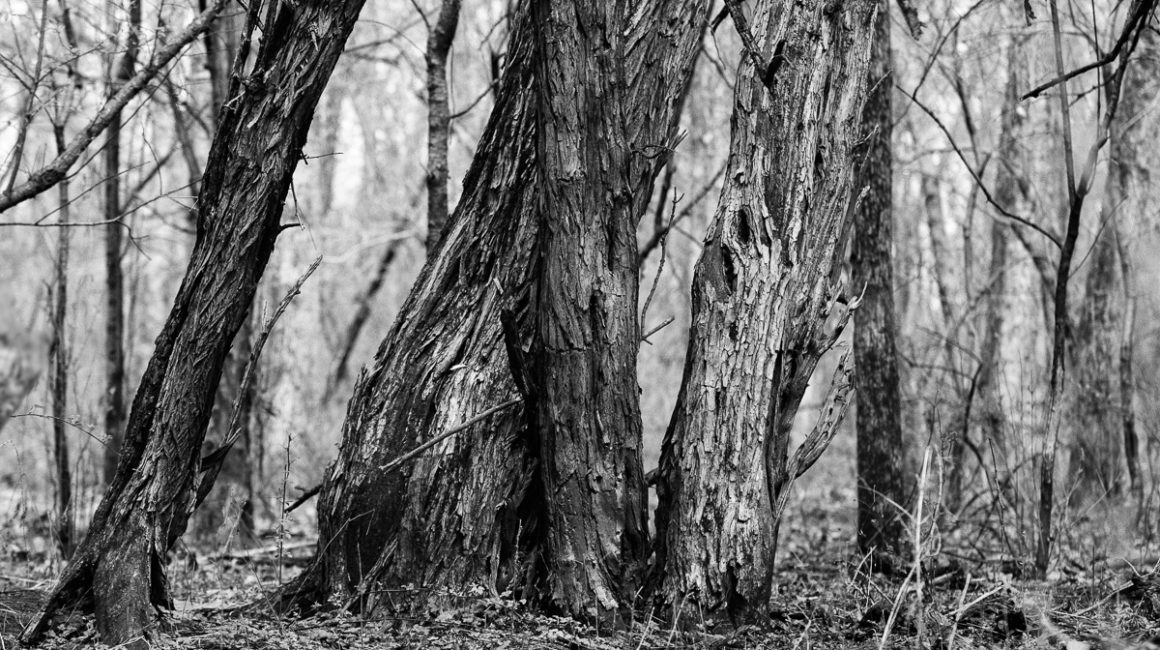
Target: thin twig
970 169
50 175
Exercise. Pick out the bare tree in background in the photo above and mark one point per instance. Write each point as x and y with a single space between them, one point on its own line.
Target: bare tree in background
880 454
120 70
1078 186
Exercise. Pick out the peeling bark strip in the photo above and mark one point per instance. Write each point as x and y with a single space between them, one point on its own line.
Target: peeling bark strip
763 292
468 502
586 334
880 455
259 141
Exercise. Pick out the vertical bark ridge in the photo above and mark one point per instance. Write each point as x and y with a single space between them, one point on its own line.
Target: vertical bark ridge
762 292
463 514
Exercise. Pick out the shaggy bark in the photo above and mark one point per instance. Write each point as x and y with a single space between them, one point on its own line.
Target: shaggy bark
880 455
585 339
766 303
119 568
467 502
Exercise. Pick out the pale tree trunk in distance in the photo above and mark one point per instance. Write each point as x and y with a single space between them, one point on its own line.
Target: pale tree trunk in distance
766 303
446 360
120 71
119 567
1011 192
947 416
1127 194
439 39
880 455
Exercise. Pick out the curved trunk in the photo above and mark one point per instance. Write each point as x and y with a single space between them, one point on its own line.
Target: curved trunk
463 514
763 292
261 132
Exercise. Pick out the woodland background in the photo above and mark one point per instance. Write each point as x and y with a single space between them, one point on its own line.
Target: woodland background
359 202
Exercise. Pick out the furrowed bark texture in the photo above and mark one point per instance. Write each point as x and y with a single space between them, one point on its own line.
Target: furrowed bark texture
584 390
260 136
463 514
762 292
880 454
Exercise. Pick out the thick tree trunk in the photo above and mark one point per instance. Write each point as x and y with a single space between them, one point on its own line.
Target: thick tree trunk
234 482
468 502
882 481
583 391
763 292
119 568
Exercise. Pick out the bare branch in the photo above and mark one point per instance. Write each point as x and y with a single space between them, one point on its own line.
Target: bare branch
52 174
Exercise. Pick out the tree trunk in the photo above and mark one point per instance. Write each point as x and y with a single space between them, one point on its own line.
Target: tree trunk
1124 202
584 393
261 132
446 360
1096 450
234 481
880 455
766 302
1012 193
58 356
439 41
120 72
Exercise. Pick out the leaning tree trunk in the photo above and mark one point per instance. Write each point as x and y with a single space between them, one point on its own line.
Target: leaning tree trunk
448 357
880 454
762 292
119 568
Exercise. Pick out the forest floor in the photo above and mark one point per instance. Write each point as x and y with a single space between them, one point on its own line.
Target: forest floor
966 598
